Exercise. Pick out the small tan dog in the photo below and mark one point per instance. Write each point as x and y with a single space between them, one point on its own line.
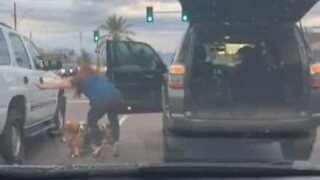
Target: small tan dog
75 132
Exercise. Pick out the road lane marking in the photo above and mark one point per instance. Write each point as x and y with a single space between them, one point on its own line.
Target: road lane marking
123 119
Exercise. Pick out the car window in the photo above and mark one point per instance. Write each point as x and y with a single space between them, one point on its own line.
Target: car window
36 57
4 51
181 50
20 51
136 54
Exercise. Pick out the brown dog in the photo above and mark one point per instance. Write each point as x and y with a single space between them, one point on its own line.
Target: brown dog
74 133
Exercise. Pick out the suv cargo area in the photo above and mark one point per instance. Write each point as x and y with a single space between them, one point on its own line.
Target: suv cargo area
246 72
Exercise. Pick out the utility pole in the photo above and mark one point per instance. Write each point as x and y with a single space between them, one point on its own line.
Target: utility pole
47 39
81 41
81 47
15 15
30 35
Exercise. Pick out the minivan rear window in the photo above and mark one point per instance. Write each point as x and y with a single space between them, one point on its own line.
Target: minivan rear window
4 51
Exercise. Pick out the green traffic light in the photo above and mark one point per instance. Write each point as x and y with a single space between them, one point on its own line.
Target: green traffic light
96 39
184 17
96 36
149 13
149 19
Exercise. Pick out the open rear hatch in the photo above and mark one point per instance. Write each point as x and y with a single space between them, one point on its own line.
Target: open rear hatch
246 10
242 13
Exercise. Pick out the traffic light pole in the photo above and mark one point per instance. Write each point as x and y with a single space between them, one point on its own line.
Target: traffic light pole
184 16
98 59
96 39
150 14
167 12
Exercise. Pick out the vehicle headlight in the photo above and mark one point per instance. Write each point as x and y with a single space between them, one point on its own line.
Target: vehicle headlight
71 70
62 71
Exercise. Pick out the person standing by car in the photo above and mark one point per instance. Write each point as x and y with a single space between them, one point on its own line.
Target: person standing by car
104 98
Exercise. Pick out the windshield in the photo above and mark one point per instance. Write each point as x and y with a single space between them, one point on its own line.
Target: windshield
159 82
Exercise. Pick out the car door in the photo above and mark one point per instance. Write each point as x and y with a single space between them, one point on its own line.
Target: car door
28 78
138 72
47 103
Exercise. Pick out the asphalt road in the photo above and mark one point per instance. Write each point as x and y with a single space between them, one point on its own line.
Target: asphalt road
141 142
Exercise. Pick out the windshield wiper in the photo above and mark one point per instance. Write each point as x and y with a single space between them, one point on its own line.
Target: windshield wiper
185 170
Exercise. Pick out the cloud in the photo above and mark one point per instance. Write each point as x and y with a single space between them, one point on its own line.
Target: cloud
57 23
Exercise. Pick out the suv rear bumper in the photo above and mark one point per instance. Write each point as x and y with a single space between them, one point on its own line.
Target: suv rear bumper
284 126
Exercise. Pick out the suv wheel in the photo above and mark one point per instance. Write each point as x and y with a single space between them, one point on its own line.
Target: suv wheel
59 118
299 149
13 138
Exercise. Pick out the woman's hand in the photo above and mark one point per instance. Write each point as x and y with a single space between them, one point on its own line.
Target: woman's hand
61 84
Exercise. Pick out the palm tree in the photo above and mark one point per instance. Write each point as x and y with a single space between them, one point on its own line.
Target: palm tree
117 29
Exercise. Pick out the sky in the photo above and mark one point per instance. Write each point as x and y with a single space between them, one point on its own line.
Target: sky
58 23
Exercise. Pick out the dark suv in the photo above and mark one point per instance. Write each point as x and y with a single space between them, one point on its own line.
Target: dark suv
244 68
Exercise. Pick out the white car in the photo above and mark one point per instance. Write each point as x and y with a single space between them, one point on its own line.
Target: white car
25 110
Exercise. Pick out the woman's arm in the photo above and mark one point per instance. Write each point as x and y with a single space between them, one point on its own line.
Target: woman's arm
60 84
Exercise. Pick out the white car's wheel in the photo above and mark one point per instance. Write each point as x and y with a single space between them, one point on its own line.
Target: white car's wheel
13 139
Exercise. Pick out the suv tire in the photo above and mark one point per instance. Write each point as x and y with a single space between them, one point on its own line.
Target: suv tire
299 149
13 138
59 118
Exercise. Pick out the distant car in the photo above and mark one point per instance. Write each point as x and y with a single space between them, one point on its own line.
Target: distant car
68 70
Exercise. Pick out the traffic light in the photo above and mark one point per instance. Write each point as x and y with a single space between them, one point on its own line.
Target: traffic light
184 16
96 36
149 17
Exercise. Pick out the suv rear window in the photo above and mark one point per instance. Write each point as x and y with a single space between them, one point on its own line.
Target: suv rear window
224 54
4 51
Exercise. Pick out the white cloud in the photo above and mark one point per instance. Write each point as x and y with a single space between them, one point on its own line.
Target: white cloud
57 23
139 8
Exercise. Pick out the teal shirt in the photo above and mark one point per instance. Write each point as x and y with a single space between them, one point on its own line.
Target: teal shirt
95 87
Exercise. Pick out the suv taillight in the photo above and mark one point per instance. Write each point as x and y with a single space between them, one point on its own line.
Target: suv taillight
315 75
176 78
